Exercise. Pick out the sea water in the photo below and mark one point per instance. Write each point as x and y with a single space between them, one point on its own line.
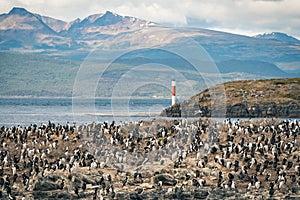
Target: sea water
26 111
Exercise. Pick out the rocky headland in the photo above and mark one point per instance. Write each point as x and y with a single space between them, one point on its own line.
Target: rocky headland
244 99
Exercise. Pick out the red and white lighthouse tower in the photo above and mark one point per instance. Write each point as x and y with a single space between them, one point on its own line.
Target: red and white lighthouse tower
173 92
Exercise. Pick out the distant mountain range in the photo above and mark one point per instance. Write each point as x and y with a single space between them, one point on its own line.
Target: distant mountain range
31 41
21 30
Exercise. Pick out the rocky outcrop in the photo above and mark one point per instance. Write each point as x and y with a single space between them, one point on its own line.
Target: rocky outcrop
46 184
165 179
264 98
265 109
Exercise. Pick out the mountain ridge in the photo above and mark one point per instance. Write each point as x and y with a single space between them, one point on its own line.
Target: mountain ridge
20 18
248 66
21 29
109 23
278 36
55 24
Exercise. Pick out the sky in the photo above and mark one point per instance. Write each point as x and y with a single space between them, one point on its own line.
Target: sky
246 17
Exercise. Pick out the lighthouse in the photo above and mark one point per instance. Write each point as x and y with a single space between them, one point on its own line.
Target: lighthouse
173 92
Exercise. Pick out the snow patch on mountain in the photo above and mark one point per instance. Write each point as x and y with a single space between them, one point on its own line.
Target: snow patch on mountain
277 36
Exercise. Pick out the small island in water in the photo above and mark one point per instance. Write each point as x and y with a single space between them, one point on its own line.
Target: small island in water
278 98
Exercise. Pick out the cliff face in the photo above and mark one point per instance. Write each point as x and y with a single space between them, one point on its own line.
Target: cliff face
259 98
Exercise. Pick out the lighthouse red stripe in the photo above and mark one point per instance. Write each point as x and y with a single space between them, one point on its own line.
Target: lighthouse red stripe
173 90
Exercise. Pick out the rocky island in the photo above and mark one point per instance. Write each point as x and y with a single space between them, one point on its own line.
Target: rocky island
247 99
158 159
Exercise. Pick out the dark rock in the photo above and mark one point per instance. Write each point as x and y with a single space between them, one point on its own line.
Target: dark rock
63 195
88 181
53 178
44 184
40 195
265 109
79 178
201 194
185 195
135 196
52 195
174 111
166 179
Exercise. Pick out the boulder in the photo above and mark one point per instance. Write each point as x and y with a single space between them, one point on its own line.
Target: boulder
201 194
45 185
166 179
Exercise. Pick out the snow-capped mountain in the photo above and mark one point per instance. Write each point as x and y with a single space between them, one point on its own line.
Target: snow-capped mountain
277 36
99 25
21 29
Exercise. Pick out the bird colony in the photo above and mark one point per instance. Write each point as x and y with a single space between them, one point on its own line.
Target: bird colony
159 158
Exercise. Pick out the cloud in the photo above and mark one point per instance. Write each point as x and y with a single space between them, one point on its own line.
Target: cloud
268 0
245 16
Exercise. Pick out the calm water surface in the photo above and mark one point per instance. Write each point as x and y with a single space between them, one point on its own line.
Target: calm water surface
26 111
